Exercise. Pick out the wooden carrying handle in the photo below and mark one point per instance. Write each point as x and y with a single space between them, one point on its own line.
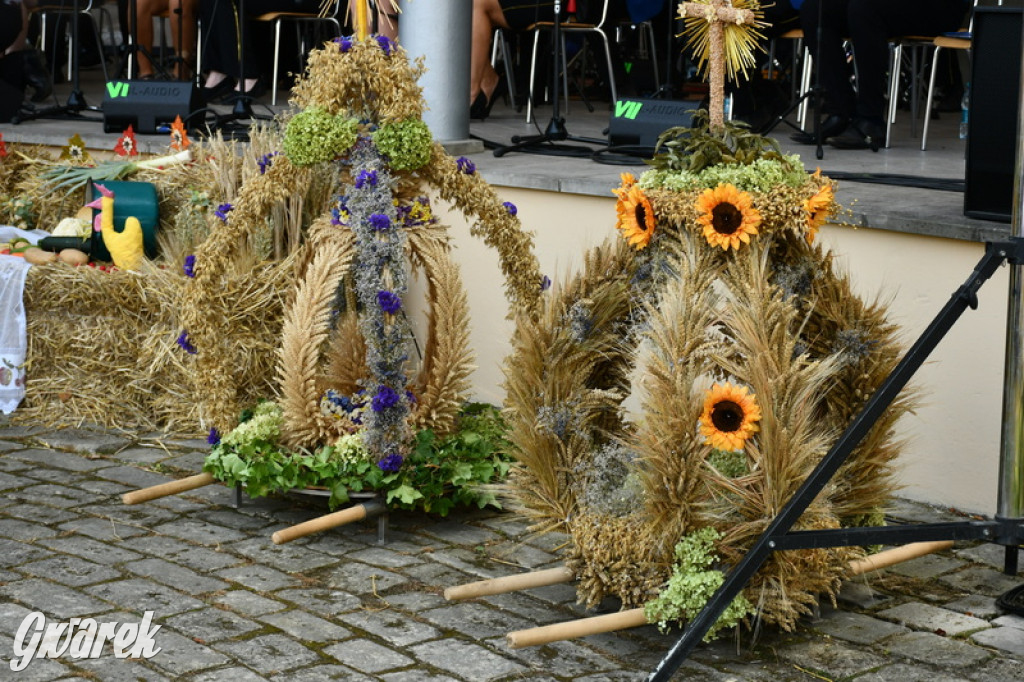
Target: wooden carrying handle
897 555
165 489
583 627
338 518
509 583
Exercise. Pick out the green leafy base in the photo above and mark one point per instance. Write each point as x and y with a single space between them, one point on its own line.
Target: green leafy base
437 475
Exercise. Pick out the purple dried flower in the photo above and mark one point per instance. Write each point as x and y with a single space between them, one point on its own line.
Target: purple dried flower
385 398
222 211
266 161
385 43
366 177
391 463
344 43
465 165
510 207
213 438
545 283
379 221
389 301
190 265
410 396
185 344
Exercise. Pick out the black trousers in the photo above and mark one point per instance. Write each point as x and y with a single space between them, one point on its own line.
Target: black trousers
221 48
869 24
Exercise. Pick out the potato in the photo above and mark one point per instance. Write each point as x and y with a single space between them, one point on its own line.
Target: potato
37 256
74 257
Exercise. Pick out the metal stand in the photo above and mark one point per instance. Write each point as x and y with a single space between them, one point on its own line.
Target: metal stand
556 130
76 99
778 536
242 109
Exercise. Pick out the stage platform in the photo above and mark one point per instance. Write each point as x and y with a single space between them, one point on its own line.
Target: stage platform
897 205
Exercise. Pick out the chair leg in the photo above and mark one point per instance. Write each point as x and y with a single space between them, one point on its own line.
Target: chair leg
611 68
805 86
894 88
654 54
533 78
928 103
277 60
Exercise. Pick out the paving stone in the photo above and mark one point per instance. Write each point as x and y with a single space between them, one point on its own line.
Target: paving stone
57 476
144 515
181 655
56 601
475 620
109 668
461 534
62 460
833 659
14 553
11 617
70 570
614 676
1010 621
386 557
415 602
143 455
129 594
396 629
179 503
990 554
102 529
324 673
564 593
856 627
199 532
104 489
417 675
289 558
526 556
366 656
975 605
466 659
230 518
1009 639
327 603
12 482
185 443
524 606
360 578
568 659
40 513
436 576
933 619
997 669
235 674
272 653
469 563
305 626
861 595
7 445
943 652
133 476
52 495
20 430
980 580
259 578
908 673
80 440
928 566
38 670
247 603
23 530
212 624
89 549
175 576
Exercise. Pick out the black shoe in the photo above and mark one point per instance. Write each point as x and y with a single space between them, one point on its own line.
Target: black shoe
830 127
37 76
862 134
481 108
211 95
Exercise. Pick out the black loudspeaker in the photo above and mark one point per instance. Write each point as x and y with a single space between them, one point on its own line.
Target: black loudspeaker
994 111
639 122
148 105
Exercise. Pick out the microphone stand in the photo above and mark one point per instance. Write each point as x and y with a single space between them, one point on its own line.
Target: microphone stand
76 98
556 130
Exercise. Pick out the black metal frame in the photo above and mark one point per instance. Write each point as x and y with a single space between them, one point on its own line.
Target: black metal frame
1007 532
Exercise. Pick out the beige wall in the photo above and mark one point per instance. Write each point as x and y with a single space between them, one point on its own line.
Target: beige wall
953 453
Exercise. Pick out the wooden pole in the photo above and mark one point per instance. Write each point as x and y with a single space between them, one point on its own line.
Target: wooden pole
362 22
633 618
339 518
165 489
509 583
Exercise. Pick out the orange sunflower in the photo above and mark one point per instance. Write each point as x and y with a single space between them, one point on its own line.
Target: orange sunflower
728 216
817 209
730 416
636 215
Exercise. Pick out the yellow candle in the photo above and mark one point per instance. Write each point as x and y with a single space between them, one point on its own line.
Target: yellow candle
361 30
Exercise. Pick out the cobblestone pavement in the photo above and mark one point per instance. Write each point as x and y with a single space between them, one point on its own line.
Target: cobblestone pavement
339 605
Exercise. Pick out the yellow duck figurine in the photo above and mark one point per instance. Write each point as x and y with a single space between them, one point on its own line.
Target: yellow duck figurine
126 246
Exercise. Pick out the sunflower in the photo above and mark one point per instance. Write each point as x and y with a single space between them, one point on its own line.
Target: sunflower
636 215
730 416
728 216
817 209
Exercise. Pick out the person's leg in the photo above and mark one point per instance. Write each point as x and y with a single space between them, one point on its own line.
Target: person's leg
830 62
220 45
483 79
183 34
145 10
30 64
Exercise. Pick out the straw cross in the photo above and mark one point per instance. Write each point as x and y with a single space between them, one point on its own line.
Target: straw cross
717 13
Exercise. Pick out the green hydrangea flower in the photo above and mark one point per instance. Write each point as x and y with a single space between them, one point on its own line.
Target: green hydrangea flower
313 136
406 143
762 175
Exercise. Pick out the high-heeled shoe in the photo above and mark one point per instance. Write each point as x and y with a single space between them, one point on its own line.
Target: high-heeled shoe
482 105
